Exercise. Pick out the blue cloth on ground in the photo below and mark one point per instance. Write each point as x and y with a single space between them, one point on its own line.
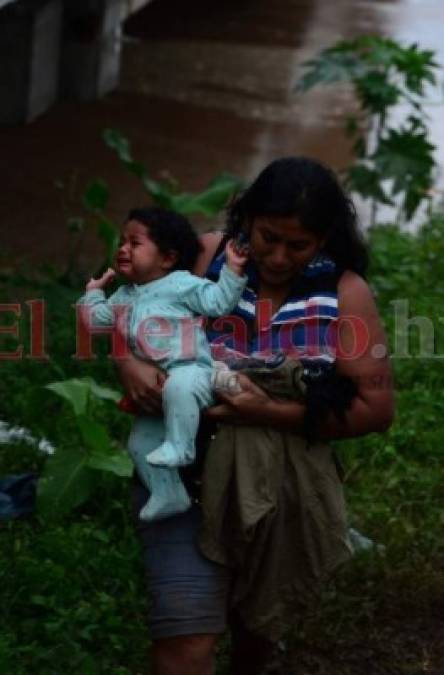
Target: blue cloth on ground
17 495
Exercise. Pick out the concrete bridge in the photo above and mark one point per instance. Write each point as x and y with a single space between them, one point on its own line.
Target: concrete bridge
52 49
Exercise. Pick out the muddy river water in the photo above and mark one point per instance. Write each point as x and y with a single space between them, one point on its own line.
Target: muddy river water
205 87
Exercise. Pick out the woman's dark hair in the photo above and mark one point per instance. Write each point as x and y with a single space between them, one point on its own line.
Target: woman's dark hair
304 188
170 232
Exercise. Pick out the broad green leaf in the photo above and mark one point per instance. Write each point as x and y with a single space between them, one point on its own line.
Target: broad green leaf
208 202
159 193
96 196
78 390
94 435
75 391
101 392
212 200
114 461
66 482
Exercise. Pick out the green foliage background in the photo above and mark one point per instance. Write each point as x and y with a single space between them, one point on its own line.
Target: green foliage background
383 74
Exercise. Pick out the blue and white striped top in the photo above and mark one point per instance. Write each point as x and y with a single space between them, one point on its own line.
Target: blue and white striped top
304 327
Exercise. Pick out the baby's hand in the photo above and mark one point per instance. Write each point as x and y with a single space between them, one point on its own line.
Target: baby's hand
103 281
236 257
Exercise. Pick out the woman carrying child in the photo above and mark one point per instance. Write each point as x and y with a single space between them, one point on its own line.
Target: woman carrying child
308 263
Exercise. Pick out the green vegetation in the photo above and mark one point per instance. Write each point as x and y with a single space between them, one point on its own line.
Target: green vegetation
384 612
167 194
72 586
393 165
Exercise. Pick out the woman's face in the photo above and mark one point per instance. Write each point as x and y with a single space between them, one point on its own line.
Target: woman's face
280 248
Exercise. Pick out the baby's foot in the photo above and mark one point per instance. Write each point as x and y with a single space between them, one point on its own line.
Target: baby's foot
170 455
164 505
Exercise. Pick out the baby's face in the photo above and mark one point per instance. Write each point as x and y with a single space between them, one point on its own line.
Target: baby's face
138 258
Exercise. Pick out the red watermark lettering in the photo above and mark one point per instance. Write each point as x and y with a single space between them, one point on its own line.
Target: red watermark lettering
352 335
264 315
285 338
146 330
37 324
188 327
16 309
239 335
85 330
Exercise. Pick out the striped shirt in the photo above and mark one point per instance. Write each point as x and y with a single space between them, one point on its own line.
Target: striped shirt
304 327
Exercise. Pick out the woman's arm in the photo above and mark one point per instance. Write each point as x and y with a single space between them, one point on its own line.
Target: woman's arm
142 382
362 356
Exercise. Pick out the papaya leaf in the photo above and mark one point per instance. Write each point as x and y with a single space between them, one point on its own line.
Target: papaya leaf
383 73
376 92
337 64
406 156
404 152
367 183
376 50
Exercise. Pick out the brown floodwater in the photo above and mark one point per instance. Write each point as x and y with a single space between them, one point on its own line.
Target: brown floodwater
205 88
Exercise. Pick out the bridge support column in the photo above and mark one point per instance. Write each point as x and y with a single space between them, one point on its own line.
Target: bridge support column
29 58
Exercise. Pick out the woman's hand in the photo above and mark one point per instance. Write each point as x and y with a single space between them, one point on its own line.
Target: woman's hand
253 406
244 407
143 382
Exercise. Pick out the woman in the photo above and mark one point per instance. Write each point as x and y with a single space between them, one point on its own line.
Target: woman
305 253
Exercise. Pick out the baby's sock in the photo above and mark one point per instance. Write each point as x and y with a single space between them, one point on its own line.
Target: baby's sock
168 497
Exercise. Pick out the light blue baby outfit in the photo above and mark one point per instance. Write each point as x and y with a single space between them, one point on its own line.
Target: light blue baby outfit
162 326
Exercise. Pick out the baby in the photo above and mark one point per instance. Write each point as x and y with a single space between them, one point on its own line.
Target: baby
157 250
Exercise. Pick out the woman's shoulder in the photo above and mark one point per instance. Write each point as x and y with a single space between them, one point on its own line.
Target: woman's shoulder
210 242
352 288
356 300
